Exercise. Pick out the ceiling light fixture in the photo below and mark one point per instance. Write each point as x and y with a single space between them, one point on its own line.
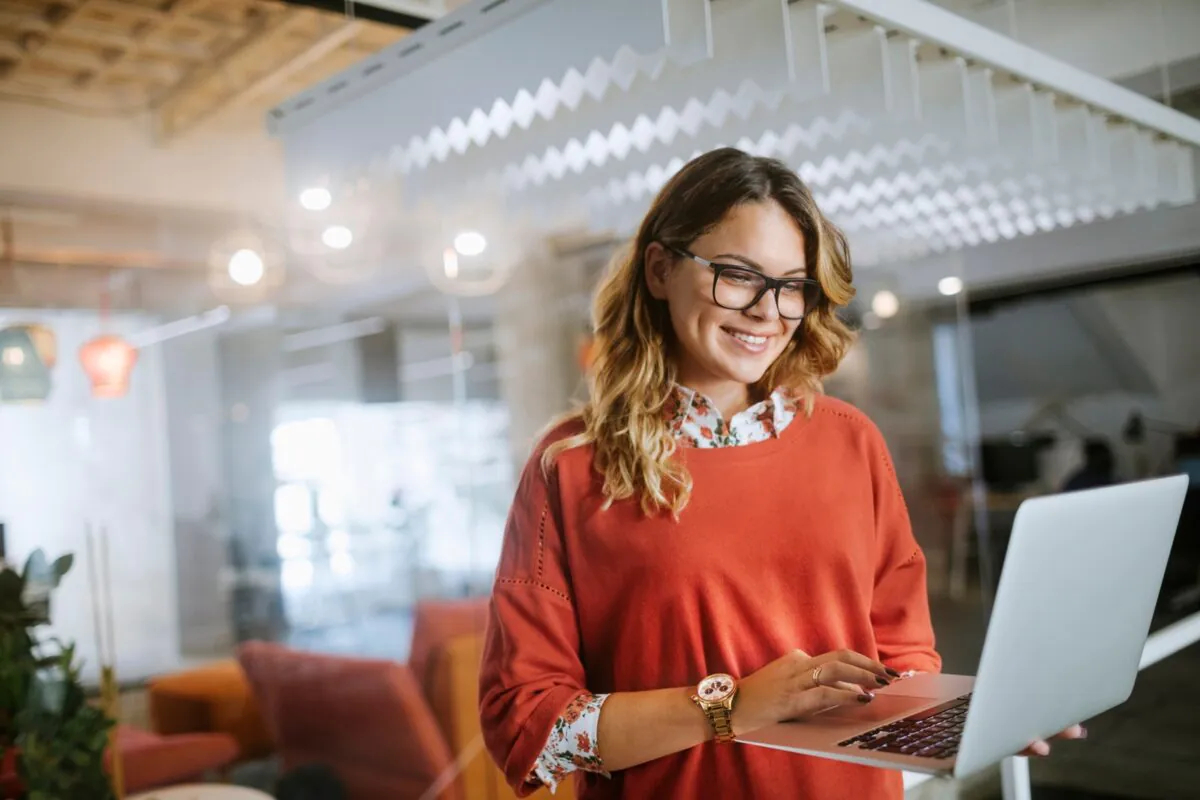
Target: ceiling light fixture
950 285
316 198
337 237
246 267
885 304
470 243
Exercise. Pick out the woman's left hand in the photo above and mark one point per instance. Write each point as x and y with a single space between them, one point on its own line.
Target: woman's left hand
1042 748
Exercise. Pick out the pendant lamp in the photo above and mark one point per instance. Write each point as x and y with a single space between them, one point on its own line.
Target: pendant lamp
44 341
108 361
24 376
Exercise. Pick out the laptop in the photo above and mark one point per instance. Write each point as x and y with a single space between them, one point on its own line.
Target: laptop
1071 615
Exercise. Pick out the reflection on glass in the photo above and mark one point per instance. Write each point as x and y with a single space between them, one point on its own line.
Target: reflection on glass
296 574
331 507
387 503
293 545
337 540
293 508
306 449
341 563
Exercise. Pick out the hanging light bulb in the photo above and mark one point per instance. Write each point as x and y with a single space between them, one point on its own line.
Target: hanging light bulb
108 361
470 243
337 237
246 267
885 304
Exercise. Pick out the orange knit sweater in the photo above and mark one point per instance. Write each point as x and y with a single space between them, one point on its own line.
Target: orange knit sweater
797 542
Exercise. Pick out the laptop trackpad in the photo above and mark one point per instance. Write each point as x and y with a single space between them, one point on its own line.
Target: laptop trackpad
884 707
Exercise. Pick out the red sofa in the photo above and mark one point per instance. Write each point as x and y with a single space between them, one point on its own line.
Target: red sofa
150 761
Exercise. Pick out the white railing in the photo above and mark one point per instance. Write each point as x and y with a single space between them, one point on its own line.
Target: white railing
1014 772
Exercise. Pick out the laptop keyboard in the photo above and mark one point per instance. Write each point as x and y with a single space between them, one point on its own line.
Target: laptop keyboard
932 733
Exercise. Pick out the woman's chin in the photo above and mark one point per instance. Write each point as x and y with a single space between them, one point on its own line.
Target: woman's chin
747 373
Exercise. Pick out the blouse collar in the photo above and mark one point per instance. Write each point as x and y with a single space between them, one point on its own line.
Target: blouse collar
685 403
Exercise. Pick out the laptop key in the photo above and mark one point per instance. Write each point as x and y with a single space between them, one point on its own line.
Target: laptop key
939 725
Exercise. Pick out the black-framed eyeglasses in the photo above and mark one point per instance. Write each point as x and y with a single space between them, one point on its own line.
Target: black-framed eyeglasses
738 288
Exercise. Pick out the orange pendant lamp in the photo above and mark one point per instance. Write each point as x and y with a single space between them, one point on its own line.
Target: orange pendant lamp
108 361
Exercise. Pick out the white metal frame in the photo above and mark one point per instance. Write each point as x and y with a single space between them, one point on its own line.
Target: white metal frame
926 21
1014 772
917 18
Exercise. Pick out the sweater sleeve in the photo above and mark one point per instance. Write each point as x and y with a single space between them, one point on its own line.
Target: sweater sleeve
900 604
531 676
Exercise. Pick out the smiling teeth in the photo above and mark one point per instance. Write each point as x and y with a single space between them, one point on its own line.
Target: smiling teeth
745 337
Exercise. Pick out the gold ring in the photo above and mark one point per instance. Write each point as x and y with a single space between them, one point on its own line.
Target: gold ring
816 676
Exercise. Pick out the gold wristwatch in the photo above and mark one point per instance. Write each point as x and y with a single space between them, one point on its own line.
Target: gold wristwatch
714 695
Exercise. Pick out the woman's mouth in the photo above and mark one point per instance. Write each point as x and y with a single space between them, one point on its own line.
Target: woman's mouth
748 341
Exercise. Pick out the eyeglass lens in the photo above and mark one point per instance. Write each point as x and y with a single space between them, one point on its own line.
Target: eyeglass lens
738 289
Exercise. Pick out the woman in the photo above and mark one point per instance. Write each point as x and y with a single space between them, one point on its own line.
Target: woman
709 525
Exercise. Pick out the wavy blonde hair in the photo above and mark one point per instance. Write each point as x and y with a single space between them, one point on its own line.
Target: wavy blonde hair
633 371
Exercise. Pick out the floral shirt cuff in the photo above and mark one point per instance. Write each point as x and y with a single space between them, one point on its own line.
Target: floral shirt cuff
572 743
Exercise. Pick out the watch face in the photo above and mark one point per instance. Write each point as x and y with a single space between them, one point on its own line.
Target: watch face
715 688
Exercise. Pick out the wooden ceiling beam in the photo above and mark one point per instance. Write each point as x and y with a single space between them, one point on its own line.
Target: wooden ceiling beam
276 76
185 104
38 33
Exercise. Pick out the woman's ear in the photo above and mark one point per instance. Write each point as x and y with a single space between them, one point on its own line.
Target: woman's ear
657 264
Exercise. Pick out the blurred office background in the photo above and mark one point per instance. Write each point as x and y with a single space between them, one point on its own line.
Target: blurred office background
283 313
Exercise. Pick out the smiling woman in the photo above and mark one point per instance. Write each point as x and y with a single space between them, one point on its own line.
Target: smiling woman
710 545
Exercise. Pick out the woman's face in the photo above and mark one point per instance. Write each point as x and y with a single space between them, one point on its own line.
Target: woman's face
719 346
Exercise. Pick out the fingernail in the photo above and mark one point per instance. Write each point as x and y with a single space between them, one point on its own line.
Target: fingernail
866 697
892 672
883 681
1042 749
1082 732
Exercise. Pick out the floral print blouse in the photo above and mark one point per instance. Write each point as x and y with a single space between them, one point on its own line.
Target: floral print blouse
697 423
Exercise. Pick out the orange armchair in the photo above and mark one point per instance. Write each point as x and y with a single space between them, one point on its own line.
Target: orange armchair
365 719
212 698
454 697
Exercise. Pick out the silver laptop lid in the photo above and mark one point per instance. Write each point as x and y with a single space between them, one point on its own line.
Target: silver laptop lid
1080 581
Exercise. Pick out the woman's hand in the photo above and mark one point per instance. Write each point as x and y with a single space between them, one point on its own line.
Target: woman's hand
1042 748
798 685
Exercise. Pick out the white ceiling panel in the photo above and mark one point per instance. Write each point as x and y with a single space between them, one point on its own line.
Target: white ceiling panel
920 131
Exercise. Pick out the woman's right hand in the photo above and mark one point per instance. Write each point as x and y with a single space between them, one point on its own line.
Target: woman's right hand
797 685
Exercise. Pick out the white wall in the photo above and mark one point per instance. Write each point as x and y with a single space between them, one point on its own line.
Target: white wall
74 460
46 151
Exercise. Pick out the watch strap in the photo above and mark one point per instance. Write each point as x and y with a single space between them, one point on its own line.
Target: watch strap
719 716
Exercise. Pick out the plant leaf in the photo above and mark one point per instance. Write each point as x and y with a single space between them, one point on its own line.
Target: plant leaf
12 587
62 565
36 565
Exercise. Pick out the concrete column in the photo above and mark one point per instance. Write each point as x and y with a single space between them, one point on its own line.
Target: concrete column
538 328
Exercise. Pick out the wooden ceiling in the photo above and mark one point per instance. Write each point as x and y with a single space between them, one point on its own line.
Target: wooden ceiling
189 62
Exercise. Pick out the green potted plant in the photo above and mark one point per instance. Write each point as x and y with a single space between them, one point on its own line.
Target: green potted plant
55 739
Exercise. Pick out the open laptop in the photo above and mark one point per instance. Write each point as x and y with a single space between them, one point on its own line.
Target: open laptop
1071 616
